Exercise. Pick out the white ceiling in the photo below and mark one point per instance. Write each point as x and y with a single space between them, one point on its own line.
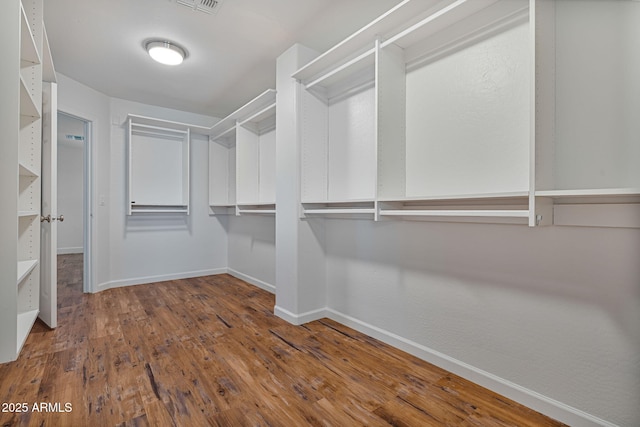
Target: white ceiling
232 54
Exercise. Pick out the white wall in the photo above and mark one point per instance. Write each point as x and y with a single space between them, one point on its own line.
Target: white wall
554 310
252 249
70 185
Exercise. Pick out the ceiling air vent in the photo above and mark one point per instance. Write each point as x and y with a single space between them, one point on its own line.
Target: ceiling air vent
206 6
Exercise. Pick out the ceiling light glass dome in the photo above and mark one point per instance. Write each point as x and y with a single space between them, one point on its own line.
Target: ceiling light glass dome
165 52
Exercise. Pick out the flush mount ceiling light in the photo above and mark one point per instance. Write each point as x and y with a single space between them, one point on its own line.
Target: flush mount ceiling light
165 52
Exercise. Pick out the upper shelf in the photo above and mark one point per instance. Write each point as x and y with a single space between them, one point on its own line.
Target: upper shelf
260 105
262 121
404 24
361 62
251 114
599 195
166 124
24 268
28 106
28 50
401 16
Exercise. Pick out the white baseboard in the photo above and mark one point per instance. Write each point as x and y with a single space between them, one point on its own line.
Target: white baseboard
67 251
160 278
299 319
536 401
252 280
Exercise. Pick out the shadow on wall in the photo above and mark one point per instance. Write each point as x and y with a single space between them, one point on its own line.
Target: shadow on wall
597 266
259 228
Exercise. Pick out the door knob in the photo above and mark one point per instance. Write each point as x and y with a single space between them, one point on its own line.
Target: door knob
48 218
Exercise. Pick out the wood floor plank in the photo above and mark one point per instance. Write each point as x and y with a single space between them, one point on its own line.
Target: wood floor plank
210 351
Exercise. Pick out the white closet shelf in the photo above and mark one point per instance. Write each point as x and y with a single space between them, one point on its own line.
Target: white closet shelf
28 106
338 202
399 18
509 205
262 121
450 13
26 214
403 25
138 209
25 323
256 208
160 186
28 50
597 195
507 213
261 115
361 62
222 210
26 170
24 268
144 122
257 211
353 208
341 211
262 102
462 197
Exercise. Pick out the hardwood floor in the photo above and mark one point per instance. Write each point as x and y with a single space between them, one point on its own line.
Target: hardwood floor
209 351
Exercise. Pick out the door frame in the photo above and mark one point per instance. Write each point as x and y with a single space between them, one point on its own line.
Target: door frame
88 208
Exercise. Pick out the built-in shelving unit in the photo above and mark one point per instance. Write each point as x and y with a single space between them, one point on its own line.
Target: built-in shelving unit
22 30
158 180
474 111
242 159
587 150
338 137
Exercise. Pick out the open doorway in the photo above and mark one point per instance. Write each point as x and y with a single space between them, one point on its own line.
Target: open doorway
72 194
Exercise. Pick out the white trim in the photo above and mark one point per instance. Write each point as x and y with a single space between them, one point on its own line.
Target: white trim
89 282
536 401
299 319
159 278
252 280
73 250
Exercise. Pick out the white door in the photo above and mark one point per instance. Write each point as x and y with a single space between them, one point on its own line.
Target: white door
49 229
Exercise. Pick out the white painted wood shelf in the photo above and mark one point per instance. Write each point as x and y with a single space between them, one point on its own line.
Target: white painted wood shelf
25 323
21 23
257 209
242 159
158 165
354 209
24 268
27 171
611 194
28 105
404 113
28 50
